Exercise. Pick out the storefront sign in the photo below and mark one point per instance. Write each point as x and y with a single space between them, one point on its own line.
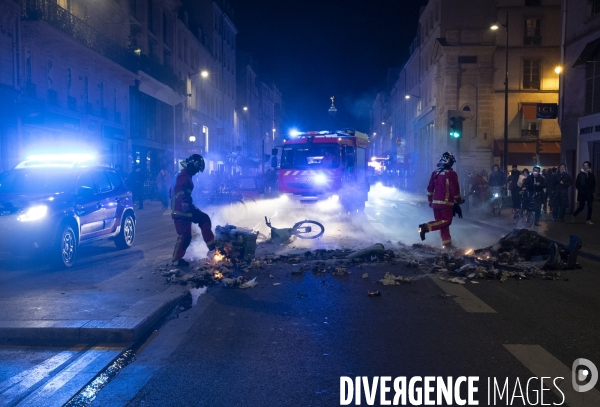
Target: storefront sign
113 133
546 111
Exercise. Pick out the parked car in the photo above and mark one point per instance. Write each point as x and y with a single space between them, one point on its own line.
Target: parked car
52 207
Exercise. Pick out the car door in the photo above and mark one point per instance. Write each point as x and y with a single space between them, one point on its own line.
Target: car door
88 207
104 190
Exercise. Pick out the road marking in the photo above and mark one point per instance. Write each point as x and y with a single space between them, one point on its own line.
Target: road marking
19 384
73 378
542 364
465 298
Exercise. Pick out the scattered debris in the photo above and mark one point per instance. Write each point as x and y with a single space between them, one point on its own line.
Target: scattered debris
390 279
374 293
366 275
249 284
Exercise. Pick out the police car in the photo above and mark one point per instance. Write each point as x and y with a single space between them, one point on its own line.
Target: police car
50 205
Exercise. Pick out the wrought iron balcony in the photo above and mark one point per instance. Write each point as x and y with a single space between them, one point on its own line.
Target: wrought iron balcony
70 25
530 133
59 18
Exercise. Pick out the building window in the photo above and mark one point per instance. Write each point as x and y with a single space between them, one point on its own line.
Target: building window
533 31
531 74
533 2
467 59
164 27
594 6
592 87
530 126
150 17
133 8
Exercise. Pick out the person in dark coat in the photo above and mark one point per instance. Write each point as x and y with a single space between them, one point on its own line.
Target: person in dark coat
534 188
135 181
586 185
514 189
561 181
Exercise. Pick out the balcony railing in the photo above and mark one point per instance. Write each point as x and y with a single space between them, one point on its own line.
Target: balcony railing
530 133
67 23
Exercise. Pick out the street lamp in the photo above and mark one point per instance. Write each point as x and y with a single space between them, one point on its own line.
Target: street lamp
494 27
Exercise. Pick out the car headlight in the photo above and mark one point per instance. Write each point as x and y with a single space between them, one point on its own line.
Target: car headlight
496 195
33 213
320 179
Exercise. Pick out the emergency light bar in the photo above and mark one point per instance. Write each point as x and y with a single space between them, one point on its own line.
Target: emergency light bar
56 160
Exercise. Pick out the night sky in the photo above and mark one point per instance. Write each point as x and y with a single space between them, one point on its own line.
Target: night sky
315 49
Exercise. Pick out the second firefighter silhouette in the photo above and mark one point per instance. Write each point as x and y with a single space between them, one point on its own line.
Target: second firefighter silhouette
443 192
184 212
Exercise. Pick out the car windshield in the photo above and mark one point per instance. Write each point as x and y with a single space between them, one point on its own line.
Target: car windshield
31 181
310 156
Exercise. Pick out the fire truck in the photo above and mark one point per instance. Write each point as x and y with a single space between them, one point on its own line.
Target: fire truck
320 165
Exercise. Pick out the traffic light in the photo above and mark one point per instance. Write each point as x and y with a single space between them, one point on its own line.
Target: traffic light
455 127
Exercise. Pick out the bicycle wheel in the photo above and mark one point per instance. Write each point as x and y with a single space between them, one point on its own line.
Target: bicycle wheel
308 229
529 219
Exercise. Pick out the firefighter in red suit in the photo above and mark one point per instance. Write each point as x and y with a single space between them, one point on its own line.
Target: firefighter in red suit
442 192
184 213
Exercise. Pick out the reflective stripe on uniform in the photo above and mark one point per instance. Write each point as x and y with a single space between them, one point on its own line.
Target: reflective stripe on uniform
443 202
173 211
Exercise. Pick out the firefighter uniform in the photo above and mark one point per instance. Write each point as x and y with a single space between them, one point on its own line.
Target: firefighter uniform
184 213
442 191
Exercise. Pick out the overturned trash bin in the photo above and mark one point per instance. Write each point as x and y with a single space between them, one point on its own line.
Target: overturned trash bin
238 244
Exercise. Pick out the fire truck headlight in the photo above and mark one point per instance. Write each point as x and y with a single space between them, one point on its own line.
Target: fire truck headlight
320 179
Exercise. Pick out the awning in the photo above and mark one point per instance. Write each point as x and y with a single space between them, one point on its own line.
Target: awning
589 53
523 153
546 147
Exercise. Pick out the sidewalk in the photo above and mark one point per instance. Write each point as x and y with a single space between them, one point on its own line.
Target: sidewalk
76 306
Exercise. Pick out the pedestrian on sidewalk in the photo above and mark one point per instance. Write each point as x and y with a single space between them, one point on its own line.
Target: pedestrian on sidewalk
586 185
560 194
442 192
135 181
163 184
534 186
184 212
514 188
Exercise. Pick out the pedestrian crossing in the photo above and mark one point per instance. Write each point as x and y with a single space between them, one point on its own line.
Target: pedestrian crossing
53 382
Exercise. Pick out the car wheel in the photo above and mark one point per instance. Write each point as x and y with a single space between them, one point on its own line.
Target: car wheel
126 236
66 248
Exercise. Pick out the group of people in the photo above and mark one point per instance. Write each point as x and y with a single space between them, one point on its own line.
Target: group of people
443 193
135 181
548 190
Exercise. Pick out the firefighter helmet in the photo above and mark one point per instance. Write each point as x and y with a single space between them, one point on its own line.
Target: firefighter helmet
447 160
194 163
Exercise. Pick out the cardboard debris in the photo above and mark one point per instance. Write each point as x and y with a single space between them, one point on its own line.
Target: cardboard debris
390 279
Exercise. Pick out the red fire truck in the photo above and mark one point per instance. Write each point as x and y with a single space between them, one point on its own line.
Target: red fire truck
319 165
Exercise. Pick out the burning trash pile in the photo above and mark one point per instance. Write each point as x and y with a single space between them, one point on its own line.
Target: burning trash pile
521 254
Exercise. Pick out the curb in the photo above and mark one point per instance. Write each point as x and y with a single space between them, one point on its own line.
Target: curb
127 327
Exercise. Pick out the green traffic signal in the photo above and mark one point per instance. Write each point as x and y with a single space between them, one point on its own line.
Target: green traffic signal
455 127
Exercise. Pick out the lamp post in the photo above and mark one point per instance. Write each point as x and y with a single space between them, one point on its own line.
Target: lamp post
505 152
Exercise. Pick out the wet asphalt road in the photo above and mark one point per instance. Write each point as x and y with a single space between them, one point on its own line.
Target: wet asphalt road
289 344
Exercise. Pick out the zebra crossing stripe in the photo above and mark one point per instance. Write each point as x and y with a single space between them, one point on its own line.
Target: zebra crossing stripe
542 364
70 380
17 385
